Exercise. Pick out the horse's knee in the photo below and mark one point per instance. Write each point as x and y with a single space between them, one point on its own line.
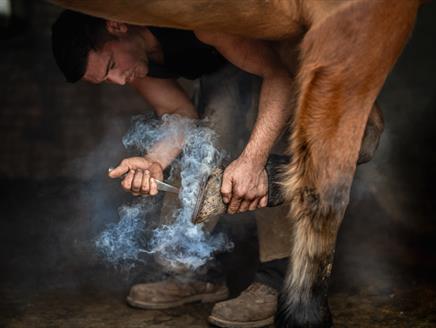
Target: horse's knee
371 137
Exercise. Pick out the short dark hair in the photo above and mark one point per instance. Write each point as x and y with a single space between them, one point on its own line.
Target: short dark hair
73 36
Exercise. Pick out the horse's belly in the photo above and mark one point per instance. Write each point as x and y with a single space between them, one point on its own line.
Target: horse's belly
273 19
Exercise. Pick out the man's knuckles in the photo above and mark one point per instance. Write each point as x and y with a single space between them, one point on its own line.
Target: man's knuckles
134 162
247 195
126 163
240 192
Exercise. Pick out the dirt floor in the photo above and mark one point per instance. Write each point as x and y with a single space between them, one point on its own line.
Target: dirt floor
415 307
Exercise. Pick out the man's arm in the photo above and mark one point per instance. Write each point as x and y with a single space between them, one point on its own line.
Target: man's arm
244 182
166 97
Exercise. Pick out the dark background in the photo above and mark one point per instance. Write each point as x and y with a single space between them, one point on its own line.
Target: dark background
58 139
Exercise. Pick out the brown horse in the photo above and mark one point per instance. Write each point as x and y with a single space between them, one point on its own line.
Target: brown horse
346 50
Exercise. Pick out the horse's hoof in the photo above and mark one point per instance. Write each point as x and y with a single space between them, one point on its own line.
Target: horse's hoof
314 313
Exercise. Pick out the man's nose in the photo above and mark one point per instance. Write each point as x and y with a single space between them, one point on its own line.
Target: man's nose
117 78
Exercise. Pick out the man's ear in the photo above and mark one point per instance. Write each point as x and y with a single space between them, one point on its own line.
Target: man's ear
116 28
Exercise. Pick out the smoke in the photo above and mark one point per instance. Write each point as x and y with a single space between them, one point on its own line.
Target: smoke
179 243
122 242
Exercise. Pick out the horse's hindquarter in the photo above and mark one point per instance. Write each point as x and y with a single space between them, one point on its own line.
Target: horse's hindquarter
274 19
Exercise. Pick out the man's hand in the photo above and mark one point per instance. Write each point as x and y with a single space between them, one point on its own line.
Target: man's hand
245 186
138 175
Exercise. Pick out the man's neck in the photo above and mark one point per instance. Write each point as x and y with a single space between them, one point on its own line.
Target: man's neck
152 45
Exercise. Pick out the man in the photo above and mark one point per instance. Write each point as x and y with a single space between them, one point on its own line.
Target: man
150 59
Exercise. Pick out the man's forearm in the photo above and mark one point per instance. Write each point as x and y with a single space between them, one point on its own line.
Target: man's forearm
273 114
165 96
166 150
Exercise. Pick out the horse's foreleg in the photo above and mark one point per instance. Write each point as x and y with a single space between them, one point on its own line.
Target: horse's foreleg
344 62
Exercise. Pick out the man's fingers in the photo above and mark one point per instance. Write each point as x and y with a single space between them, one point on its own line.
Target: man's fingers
126 183
137 181
244 206
136 174
145 188
253 204
234 205
117 172
247 199
263 202
226 189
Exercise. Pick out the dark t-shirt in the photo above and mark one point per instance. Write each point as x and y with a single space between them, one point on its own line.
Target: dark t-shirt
184 55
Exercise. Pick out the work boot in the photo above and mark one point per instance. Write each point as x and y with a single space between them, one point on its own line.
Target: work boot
255 307
172 293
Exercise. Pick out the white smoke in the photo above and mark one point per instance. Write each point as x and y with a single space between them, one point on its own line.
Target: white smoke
122 243
181 243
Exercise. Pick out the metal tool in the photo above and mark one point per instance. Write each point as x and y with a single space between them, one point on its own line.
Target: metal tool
161 185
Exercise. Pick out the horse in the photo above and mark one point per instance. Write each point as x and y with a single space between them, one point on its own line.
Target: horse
345 50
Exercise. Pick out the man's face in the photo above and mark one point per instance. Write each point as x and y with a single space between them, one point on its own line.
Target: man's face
119 61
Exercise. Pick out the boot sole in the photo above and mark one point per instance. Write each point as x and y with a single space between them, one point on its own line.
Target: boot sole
204 298
239 324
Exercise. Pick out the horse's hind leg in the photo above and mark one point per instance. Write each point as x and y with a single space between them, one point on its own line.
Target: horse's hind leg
344 62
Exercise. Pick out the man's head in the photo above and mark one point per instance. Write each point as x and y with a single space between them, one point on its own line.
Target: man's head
97 50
